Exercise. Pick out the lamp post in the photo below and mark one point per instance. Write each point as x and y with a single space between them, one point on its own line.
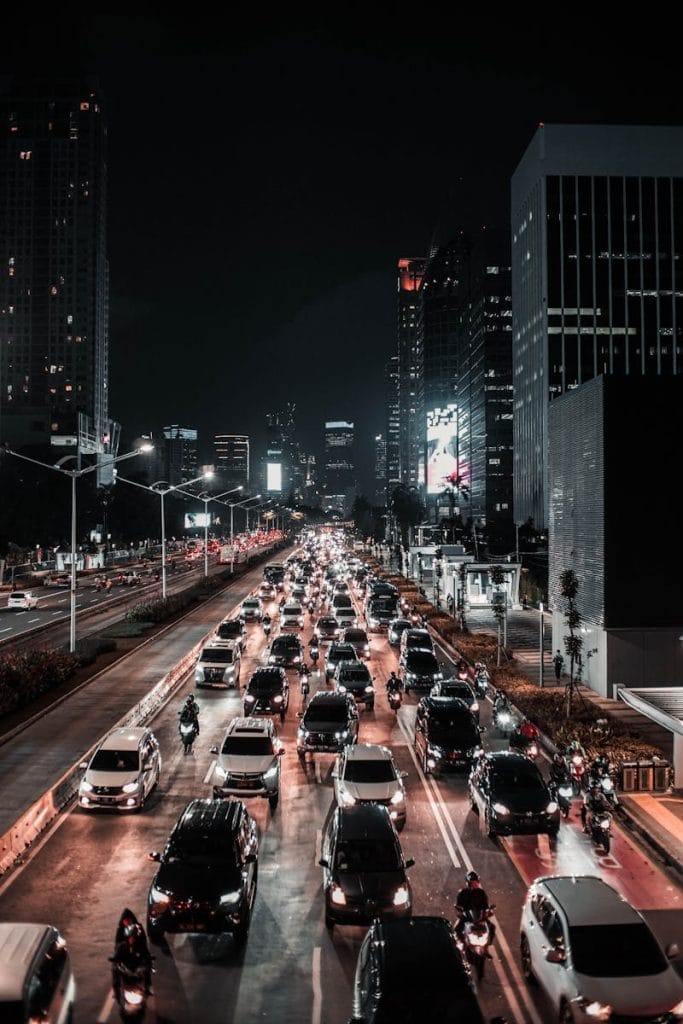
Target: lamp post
155 488
232 505
206 498
75 474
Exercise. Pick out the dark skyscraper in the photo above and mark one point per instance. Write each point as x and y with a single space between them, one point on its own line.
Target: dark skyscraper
231 459
340 474
597 282
54 359
393 427
379 496
181 457
410 274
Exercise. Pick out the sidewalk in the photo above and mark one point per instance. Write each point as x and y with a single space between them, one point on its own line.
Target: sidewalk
657 817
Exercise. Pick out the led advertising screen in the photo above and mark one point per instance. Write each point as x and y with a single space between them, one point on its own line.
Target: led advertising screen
442 448
197 520
273 476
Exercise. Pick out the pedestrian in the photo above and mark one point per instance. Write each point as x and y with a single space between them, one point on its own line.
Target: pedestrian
449 602
525 603
558 662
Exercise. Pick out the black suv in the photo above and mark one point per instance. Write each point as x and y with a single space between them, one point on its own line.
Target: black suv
337 653
446 734
286 650
511 794
232 629
413 971
207 874
329 722
457 688
364 872
267 692
354 677
420 669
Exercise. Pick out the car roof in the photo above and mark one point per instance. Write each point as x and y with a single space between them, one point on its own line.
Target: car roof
250 726
364 820
269 670
417 634
503 759
288 640
19 944
416 653
446 704
419 947
124 739
456 684
367 752
586 899
210 815
252 600
329 698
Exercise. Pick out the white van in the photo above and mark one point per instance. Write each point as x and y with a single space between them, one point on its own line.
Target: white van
122 772
36 981
292 617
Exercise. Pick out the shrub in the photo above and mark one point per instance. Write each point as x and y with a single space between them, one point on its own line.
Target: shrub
24 677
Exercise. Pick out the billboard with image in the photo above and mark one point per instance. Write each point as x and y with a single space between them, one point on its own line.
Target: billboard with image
197 520
274 476
442 448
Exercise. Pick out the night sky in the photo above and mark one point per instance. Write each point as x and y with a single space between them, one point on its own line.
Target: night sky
265 176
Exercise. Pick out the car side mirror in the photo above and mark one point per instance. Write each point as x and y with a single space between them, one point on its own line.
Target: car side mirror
409 863
323 862
672 950
83 765
403 775
281 752
556 956
154 855
213 750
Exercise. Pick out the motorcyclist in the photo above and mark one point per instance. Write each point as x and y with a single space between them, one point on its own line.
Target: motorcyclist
500 702
189 712
594 802
265 622
528 731
559 773
472 902
394 684
131 950
575 747
314 649
599 768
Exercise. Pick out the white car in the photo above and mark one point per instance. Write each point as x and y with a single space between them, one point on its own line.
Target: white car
292 617
251 609
218 664
367 773
24 599
122 772
248 762
594 955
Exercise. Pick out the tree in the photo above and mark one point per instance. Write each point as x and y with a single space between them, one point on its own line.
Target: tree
498 602
361 513
407 507
573 641
456 488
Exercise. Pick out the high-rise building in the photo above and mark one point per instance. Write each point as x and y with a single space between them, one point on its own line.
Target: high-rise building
380 494
231 459
340 474
410 275
485 402
54 285
392 438
597 275
181 455
282 470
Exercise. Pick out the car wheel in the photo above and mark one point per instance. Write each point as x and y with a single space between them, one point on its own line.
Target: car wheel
490 828
473 804
525 957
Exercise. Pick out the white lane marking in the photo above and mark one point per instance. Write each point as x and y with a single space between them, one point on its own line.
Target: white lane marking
56 613
18 614
107 1007
34 620
7 629
316 1009
510 994
210 772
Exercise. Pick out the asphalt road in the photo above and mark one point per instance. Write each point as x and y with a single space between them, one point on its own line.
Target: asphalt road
292 970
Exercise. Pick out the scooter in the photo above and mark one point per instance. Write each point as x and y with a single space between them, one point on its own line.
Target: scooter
131 991
476 938
577 768
503 719
266 629
599 828
188 734
481 681
562 792
395 699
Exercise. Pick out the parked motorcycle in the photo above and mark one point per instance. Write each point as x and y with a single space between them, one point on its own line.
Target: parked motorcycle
395 699
476 938
599 828
188 734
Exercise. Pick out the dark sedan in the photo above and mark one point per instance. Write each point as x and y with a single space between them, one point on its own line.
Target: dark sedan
510 793
267 692
421 671
396 628
457 688
286 650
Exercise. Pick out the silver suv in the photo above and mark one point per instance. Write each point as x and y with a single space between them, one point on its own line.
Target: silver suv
218 664
248 761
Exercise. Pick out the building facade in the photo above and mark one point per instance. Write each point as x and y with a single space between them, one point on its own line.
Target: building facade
340 473
410 422
379 497
231 459
54 286
181 456
392 435
597 282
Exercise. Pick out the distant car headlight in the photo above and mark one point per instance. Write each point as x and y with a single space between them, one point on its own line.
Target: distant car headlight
369 689
248 697
342 734
340 688
435 752
272 659
346 799
86 787
596 1010
410 676
199 675
474 706
501 809
296 659
398 797
271 773
277 699
159 897
131 787
337 895
401 896
551 808
221 772
228 899
678 1009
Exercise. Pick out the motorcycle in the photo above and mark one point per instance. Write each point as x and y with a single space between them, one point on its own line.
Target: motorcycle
481 681
577 768
562 793
395 699
266 629
315 654
599 828
524 745
188 734
476 938
131 990
503 719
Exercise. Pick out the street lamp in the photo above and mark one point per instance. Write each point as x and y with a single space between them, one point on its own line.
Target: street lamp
75 474
155 488
206 498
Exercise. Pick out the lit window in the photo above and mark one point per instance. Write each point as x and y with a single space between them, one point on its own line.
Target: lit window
53 290
85 105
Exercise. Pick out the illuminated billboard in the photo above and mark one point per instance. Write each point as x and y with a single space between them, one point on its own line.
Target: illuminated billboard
442 448
197 520
273 476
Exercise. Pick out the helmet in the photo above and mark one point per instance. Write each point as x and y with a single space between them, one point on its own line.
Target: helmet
558 759
471 876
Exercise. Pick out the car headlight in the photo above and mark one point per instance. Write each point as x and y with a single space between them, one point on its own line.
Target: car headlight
271 773
433 751
504 717
438 675
401 896
221 772
86 787
199 675
337 895
248 697
346 799
501 809
341 735
366 649
277 699
228 899
272 659
596 1010
159 897
302 734
131 787
398 797
678 1009
474 706
551 808
340 688
369 689
296 659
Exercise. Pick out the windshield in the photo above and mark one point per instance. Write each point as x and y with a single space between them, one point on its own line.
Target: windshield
325 712
369 771
422 661
509 778
354 675
247 746
616 951
367 855
457 733
457 690
115 761
356 636
223 655
227 630
328 623
264 683
250 604
283 645
292 609
201 848
341 654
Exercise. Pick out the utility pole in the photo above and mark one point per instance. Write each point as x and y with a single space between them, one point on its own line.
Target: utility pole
540 646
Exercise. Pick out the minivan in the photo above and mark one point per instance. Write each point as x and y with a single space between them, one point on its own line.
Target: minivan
36 980
122 772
